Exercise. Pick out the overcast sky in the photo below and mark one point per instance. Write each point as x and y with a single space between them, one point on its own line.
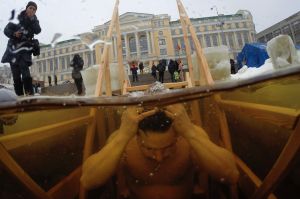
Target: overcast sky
71 17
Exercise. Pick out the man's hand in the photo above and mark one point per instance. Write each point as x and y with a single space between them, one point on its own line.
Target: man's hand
131 118
181 121
18 34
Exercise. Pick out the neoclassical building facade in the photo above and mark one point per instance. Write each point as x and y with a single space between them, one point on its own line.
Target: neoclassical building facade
147 38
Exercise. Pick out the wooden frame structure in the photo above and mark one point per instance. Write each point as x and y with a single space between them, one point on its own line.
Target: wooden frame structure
70 187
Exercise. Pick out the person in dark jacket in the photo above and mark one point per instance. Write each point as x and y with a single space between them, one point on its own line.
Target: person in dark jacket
161 67
172 69
21 46
153 71
77 64
134 72
141 67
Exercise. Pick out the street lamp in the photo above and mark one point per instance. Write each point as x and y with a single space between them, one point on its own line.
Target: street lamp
221 23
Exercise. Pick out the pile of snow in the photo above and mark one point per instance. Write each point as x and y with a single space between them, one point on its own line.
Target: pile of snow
282 51
248 72
90 75
217 60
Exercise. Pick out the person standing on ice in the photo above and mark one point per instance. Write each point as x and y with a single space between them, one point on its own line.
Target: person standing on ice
21 46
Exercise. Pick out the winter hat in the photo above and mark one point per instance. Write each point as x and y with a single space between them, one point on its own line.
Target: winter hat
31 3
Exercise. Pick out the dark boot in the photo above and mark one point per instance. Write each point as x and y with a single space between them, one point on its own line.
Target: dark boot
28 86
18 85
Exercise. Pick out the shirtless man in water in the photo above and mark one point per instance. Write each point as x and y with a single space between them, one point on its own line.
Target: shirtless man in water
156 154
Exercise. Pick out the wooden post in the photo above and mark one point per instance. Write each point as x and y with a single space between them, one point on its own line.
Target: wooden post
120 54
226 139
199 51
187 49
104 56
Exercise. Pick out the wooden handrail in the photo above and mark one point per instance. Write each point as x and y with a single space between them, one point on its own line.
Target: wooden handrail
280 116
13 167
22 138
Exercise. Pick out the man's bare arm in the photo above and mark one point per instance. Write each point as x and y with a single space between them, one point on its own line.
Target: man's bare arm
215 160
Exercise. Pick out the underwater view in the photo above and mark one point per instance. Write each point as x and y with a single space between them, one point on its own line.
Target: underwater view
132 99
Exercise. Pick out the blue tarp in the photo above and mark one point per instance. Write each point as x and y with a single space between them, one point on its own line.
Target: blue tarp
253 55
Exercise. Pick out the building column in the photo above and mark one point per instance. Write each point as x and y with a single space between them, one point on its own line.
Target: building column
153 46
115 48
235 41
148 42
137 43
126 46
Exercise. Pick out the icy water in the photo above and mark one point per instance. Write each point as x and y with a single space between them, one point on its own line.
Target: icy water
46 136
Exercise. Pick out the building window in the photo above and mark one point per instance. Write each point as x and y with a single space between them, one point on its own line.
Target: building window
269 36
132 44
160 33
49 53
123 46
44 66
162 42
89 58
192 44
215 39
230 40
296 26
207 40
200 39
94 57
51 65
61 77
63 63
223 37
246 37
276 32
237 25
68 61
239 39
163 51
173 32
143 43
40 67
245 24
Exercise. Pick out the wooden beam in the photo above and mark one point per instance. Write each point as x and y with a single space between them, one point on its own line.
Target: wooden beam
225 133
120 53
202 60
279 116
98 91
68 187
88 146
225 136
250 174
187 48
281 167
13 167
33 135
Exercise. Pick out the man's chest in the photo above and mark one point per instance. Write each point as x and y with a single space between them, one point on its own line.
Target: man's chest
172 170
